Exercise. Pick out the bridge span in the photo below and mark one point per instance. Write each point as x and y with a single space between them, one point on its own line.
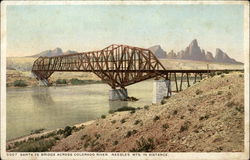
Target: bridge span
116 65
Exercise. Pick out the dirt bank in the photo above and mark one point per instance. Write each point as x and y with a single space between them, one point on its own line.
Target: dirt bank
207 117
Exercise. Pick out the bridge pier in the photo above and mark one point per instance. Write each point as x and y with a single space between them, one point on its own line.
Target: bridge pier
161 89
118 94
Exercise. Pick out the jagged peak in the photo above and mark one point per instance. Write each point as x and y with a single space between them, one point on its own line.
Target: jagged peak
194 43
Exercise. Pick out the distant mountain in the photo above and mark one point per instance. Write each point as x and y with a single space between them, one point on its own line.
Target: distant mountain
158 51
194 52
54 52
210 57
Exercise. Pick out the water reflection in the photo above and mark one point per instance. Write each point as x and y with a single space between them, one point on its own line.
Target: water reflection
42 96
114 105
56 107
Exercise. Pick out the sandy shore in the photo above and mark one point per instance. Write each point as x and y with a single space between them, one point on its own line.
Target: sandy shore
26 137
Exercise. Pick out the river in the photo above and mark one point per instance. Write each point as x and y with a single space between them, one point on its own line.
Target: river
56 107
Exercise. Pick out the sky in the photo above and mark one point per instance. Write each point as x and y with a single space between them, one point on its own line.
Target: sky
32 29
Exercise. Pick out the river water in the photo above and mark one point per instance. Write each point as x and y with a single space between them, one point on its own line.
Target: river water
56 107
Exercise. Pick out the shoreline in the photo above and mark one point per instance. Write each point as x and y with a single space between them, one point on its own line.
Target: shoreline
57 85
26 137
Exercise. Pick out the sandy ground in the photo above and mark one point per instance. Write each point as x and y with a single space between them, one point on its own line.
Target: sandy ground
207 117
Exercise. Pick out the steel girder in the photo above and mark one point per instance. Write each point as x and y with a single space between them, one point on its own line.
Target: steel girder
116 65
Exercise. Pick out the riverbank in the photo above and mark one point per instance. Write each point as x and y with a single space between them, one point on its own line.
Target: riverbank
17 79
56 134
207 117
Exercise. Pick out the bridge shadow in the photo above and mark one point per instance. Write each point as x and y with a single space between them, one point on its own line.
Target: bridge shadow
114 105
42 96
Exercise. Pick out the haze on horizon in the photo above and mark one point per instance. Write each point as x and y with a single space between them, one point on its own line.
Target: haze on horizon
32 29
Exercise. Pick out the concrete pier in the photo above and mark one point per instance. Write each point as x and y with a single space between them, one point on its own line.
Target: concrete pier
118 94
161 89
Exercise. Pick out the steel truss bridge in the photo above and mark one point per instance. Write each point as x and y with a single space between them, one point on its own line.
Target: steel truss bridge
116 65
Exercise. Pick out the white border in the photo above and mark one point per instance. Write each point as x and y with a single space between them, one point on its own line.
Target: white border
171 155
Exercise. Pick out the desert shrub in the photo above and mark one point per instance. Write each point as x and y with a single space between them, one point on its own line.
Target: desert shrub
133 111
212 74
165 126
137 122
132 99
239 109
197 92
8 84
31 139
123 120
204 117
130 133
144 145
182 117
219 73
111 111
222 75
226 71
37 131
20 83
219 92
212 102
113 121
190 109
146 107
61 81
185 126
156 118
97 136
57 138
122 109
86 145
83 137
125 108
17 143
103 116
60 131
67 131
175 112
76 81
163 101
115 143
50 134
76 129
36 146
8 147
241 75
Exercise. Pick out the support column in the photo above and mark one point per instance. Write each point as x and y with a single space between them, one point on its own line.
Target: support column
161 89
118 94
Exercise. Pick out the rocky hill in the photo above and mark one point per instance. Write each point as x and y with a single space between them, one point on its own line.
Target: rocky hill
194 52
207 117
54 52
158 51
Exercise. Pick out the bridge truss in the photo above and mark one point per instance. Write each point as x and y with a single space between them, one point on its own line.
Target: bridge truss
116 65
